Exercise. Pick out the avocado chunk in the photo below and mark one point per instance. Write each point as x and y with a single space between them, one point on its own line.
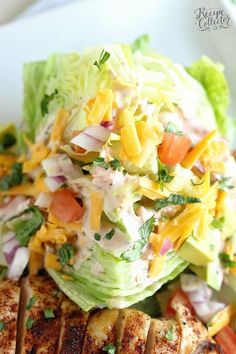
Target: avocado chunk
212 274
201 252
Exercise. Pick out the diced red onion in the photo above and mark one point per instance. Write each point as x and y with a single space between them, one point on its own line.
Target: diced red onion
8 237
59 166
44 200
60 179
108 124
13 206
52 184
10 247
92 138
18 264
166 246
199 295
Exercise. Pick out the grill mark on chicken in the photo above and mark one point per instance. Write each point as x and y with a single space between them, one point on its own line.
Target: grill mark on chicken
101 330
9 301
158 341
73 326
132 332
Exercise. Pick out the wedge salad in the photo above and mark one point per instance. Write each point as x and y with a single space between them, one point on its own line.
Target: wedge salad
120 177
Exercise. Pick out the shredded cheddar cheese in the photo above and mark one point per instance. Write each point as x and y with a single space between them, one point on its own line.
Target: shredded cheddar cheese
156 266
96 199
35 262
51 262
221 319
38 153
152 190
75 226
101 108
59 125
198 150
129 136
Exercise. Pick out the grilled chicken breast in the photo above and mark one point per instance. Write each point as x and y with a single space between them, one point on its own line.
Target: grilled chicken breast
9 303
47 322
133 328
73 326
101 331
39 323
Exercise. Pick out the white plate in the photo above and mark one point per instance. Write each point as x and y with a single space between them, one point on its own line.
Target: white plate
170 23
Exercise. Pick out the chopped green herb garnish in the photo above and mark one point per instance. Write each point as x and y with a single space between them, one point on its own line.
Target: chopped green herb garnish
169 334
172 128
29 323
14 179
57 293
144 232
163 174
115 165
104 56
46 100
147 228
65 253
175 199
26 224
7 141
109 348
48 313
97 236
224 183
197 184
110 234
218 223
2 326
31 302
212 247
100 161
226 261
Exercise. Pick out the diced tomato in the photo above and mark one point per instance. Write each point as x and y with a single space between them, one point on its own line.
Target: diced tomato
65 207
227 339
178 297
173 148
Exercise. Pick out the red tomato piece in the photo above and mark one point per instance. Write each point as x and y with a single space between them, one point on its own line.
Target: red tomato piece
226 338
173 148
178 296
65 207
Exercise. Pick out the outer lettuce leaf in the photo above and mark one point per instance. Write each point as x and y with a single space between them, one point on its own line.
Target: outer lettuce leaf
114 287
141 43
212 78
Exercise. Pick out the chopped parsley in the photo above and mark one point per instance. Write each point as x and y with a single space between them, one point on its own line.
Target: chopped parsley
163 174
110 234
104 56
226 261
218 223
57 293
224 183
144 232
169 334
114 164
31 302
29 323
172 128
109 348
13 179
28 222
66 253
46 100
7 141
97 236
2 326
174 199
48 313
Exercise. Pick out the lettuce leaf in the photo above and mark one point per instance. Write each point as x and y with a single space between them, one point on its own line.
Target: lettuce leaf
211 76
115 286
141 43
